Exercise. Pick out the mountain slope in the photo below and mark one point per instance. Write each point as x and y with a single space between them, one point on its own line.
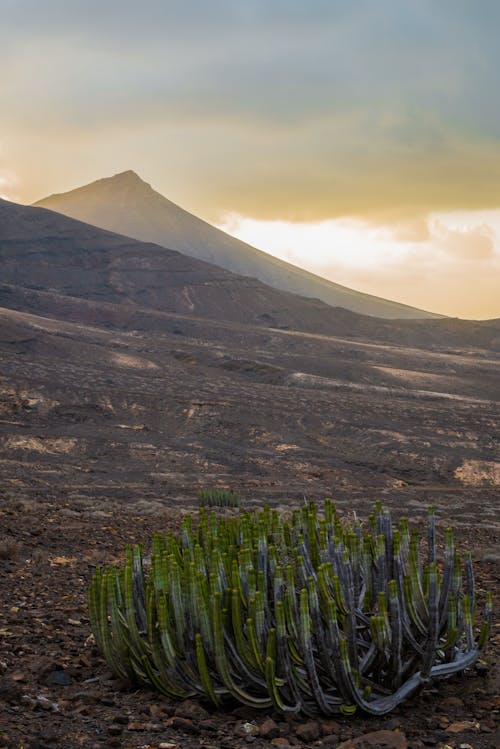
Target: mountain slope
46 251
128 205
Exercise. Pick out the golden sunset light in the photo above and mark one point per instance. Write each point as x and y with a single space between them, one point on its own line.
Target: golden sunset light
326 132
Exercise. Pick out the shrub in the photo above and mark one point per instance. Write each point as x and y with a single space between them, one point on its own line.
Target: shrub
218 498
305 616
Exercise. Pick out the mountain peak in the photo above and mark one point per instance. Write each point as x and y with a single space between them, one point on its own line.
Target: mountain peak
127 179
128 176
128 184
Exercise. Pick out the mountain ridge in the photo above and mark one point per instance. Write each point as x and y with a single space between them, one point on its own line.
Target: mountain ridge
46 251
50 261
126 204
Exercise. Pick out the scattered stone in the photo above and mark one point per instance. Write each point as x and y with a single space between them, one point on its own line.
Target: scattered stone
120 685
443 721
167 745
136 725
10 691
486 726
331 740
394 724
122 719
280 741
247 729
209 725
377 740
158 712
114 729
448 702
59 678
45 704
463 725
108 701
330 726
491 557
309 731
192 710
491 704
482 668
465 746
434 738
182 724
269 729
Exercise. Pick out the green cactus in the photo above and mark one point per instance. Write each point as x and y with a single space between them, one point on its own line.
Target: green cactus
218 498
304 616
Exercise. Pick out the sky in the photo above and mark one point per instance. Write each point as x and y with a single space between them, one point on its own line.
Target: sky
357 138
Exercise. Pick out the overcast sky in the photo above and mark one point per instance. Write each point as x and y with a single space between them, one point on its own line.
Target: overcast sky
365 134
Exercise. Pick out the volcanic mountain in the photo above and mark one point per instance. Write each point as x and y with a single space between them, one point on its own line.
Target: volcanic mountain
45 253
52 264
126 204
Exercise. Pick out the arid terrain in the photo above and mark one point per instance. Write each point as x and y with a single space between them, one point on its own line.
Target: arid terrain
120 398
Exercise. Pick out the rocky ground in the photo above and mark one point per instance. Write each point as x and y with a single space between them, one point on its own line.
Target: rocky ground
56 690
126 385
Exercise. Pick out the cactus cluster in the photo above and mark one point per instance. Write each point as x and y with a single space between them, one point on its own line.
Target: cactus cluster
218 498
305 615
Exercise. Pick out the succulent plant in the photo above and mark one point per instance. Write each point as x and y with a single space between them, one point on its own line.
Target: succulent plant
218 498
307 615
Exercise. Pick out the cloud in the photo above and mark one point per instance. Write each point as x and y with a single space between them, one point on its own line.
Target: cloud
8 181
293 110
411 230
454 270
477 243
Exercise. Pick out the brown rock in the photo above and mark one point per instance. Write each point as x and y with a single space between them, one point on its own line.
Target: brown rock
443 721
269 729
450 702
487 726
246 728
192 710
280 741
330 726
377 740
114 729
182 724
137 725
331 740
309 731
463 725
157 711
209 725
122 719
